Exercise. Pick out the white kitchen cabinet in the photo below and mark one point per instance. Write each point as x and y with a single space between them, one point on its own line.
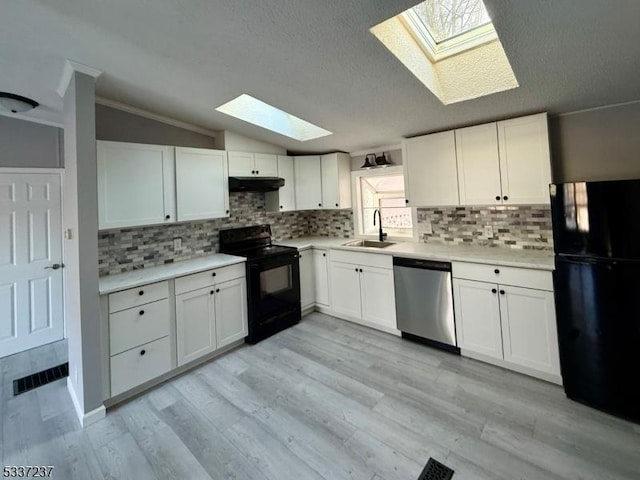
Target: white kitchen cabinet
509 321
477 314
377 296
336 180
202 187
307 279
345 289
231 312
196 324
478 165
430 170
321 277
246 164
283 199
308 182
136 184
525 162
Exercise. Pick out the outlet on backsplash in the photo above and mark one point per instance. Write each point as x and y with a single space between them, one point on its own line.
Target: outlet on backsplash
488 231
177 243
427 228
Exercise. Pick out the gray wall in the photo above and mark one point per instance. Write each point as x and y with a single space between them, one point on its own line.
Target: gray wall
601 144
119 126
27 144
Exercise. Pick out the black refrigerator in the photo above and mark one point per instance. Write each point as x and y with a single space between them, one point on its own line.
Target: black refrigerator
596 230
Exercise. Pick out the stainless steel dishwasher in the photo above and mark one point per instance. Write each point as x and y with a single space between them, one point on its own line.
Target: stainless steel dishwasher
424 302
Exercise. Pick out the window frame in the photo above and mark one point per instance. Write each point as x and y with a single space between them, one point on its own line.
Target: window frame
356 197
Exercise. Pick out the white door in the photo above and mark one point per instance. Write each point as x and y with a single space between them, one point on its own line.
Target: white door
478 165
345 289
195 323
231 311
308 182
307 283
136 184
31 312
321 277
378 296
265 164
529 333
241 164
477 312
202 186
287 194
525 162
430 170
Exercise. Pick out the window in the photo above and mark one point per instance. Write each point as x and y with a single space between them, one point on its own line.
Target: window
383 191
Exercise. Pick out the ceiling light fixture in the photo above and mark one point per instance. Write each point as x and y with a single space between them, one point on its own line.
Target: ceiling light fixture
16 103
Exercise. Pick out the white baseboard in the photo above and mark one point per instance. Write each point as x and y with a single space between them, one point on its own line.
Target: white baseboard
85 419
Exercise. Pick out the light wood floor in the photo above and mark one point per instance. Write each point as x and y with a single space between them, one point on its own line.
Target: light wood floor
325 399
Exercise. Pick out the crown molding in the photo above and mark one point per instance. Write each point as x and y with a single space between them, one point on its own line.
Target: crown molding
154 116
383 148
71 67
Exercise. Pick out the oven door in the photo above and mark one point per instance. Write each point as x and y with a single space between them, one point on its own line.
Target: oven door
274 288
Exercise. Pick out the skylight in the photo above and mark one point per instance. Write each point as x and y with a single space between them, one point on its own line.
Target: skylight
254 111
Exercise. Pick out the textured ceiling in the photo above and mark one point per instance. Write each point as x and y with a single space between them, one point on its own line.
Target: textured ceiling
314 59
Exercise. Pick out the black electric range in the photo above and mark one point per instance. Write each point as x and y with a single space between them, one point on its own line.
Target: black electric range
273 279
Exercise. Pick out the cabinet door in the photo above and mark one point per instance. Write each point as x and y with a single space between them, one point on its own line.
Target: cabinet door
136 184
195 323
345 289
241 164
321 277
478 165
477 312
202 186
525 164
330 181
529 332
307 279
430 170
231 311
265 164
284 199
378 296
308 182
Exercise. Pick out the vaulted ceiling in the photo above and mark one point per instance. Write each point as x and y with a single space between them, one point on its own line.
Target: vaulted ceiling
314 59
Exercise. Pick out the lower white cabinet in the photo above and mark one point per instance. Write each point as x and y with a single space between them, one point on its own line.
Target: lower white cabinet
231 312
378 296
307 279
320 277
510 321
345 289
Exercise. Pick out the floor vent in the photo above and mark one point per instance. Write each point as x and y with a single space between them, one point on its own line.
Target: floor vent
434 470
36 380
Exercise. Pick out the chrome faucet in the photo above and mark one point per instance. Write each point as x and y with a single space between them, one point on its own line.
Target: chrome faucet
381 234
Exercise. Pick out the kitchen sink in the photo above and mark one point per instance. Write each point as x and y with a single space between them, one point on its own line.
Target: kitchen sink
369 243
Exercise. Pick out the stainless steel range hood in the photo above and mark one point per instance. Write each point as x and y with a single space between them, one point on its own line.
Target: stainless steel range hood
255 184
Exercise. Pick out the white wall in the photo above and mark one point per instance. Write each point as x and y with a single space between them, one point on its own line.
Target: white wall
237 143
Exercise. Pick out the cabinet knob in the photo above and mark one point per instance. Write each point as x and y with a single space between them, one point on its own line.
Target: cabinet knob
324 254
226 211
167 217
319 204
217 290
141 312
253 172
211 292
141 292
406 201
502 292
356 269
281 206
213 274
257 172
337 205
505 198
142 352
498 197
360 270
496 271
493 290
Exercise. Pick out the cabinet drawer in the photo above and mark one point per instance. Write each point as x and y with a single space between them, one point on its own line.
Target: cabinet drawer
362 258
135 326
133 367
523 277
208 278
135 297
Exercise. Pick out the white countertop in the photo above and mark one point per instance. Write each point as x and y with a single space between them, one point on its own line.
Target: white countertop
508 257
123 281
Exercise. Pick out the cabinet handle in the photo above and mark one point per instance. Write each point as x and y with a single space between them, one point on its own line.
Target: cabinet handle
211 292
167 217
213 274
324 254
141 292
257 172
356 269
496 271
142 352
498 197
281 206
253 172
226 211
406 201
502 292
337 205
505 198
217 290
319 204
141 312
493 290
360 270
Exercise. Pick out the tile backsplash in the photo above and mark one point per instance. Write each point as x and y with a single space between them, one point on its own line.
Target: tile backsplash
519 227
122 250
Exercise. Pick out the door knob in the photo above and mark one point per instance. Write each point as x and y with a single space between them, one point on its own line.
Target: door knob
55 266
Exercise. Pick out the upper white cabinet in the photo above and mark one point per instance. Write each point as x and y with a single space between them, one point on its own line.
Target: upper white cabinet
202 187
430 172
284 199
308 182
245 164
336 180
136 184
525 162
478 165
505 162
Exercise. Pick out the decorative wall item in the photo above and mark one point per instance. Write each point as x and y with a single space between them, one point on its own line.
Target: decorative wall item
520 227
